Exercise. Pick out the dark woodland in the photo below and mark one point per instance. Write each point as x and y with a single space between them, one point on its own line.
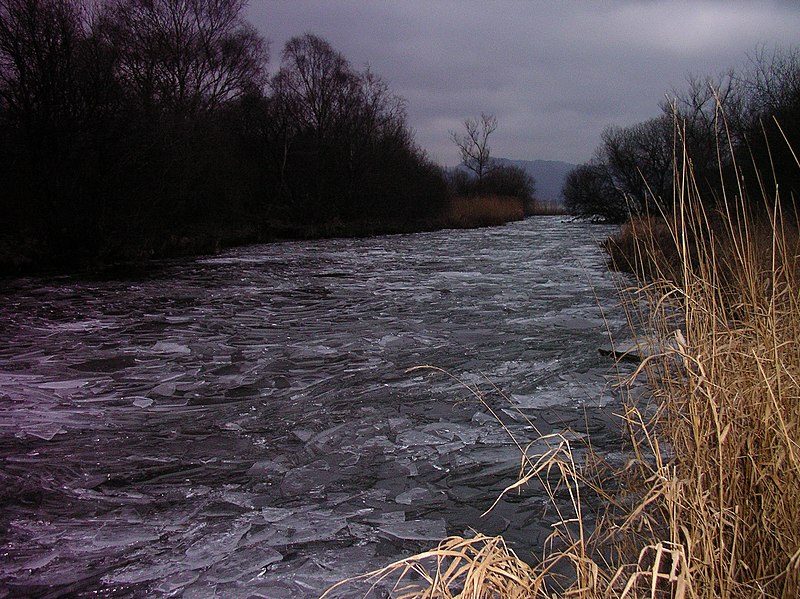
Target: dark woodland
739 130
139 128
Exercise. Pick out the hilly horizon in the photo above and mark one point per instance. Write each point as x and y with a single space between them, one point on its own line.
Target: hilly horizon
548 174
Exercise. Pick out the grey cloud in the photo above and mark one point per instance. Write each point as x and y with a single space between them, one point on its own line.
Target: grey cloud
554 73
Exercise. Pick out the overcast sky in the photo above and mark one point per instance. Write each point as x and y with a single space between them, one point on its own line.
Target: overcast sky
555 73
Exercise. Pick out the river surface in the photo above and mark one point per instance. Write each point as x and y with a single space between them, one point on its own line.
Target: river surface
245 425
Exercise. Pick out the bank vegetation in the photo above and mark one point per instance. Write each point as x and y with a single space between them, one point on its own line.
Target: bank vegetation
707 503
139 128
633 171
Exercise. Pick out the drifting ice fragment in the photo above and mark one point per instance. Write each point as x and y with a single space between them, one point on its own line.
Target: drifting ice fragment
309 527
395 424
411 438
167 347
266 468
165 389
45 430
298 481
412 496
176 582
275 514
328 435
59 385
214 547
302 434
142 572
35 563
243 563
143 402
121 536
416 530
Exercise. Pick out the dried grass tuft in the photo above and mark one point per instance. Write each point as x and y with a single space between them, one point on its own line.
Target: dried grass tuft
458 568
729 402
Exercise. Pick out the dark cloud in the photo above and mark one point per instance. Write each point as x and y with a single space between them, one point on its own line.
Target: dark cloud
554 73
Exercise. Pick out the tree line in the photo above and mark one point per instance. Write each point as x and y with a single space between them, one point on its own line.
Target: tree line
738 131
122 124
481 174
131 128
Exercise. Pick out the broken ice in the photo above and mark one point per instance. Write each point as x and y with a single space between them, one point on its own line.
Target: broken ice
245 424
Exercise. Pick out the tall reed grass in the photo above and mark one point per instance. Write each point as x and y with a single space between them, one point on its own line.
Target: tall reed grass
547 208
482 211
708 505
729 496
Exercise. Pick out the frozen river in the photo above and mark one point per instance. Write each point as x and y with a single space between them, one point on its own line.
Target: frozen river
244 425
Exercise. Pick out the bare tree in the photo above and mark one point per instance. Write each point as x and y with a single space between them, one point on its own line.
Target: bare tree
640 159
770 127
315 85
474 144
590 192
771 84
37 49
707 117
188 55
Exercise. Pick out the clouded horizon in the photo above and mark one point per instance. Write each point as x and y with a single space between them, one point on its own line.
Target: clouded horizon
554 73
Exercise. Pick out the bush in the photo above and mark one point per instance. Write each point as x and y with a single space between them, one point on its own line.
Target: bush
501 180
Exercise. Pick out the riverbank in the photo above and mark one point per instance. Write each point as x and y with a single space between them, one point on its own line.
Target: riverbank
706 503
133 248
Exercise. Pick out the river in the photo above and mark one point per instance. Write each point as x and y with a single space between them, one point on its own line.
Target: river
245 424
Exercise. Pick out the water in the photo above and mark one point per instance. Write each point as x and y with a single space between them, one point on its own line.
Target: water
245 425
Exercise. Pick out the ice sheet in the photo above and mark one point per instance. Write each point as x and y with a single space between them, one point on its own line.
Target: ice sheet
245 425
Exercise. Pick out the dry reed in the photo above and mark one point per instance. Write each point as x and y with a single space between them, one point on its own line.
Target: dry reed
708 505
547 208
729 496
482 211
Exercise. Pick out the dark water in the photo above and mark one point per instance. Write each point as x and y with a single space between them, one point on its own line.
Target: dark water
245 425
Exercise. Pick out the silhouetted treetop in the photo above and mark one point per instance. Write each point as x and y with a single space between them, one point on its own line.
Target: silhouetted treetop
473 144
187 55
131 128
740 131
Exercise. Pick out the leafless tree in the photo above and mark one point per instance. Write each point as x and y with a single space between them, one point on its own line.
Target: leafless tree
474 144
188 55
770 127
707 118
589 192
38 39
640 159
315 84
332 125
772 81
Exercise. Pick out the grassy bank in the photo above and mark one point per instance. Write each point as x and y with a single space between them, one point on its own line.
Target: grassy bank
722 495
708 503
463 212
136 245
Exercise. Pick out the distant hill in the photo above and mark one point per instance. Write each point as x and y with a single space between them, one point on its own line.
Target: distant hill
549 176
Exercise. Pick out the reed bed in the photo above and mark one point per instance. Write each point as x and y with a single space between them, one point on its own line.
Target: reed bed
727 493
547 208
482 211
708 505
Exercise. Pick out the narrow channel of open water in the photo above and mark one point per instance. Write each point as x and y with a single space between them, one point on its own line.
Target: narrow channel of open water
244 425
